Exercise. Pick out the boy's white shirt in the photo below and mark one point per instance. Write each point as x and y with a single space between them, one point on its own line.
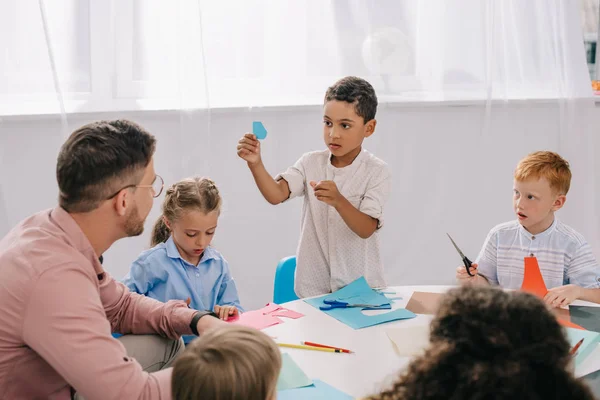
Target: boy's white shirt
563 254
330 255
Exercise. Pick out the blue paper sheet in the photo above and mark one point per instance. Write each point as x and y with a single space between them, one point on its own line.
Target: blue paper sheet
259 130
359 292
318 391
291 375
590 342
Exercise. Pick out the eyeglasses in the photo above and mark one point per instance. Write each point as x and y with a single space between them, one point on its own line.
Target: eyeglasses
157 187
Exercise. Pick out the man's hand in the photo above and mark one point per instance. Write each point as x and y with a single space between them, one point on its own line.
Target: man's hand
207 323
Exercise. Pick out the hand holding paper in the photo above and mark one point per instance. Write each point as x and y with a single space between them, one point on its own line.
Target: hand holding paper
248 149
225 312
562 295
264 317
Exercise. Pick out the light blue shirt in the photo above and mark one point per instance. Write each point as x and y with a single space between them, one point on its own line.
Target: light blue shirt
564 256
162 274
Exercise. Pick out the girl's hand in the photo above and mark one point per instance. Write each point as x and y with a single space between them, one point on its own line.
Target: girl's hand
224 312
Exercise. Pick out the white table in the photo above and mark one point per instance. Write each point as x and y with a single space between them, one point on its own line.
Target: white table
374 365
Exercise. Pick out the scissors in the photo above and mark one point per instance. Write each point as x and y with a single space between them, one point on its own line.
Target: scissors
331 304
465 259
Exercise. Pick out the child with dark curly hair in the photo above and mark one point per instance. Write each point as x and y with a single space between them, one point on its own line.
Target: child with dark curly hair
490 344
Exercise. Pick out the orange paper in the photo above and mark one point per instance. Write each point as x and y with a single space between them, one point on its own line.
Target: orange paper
533 281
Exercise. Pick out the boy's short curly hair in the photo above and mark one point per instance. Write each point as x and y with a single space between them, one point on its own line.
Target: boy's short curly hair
491 344
357 91
546 164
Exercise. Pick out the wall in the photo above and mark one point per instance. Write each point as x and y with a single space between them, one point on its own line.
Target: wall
452 170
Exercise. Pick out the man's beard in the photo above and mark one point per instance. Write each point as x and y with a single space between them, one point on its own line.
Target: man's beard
134 225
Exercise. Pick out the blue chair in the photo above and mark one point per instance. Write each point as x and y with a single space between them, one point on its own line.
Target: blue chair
283 289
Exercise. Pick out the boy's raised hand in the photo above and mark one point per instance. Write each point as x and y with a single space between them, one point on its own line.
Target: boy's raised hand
327 192
248 149
562 295
463 277
224 312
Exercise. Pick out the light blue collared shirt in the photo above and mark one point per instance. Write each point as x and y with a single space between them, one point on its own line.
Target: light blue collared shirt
162 274
563 255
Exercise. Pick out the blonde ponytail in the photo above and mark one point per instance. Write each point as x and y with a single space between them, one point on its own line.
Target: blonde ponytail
160 232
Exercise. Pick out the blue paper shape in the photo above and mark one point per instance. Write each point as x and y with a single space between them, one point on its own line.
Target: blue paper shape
259 130
590 341
318 391
291 375
359 292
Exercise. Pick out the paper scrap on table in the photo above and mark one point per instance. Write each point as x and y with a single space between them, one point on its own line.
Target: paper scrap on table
291 375
590 342
424 302
533 283
265 317
279 311
409 341
255 319
359 292
589 364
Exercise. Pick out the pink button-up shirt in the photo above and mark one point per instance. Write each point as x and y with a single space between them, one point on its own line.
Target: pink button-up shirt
58 308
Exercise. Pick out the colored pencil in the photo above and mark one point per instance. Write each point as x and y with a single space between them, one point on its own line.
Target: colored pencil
576 347
301 346
327 347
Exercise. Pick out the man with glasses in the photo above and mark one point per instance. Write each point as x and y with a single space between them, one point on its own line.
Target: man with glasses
59 306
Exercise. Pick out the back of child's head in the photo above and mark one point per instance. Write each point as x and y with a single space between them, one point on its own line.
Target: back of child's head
198 194
548 165
491 344
357 91
229 363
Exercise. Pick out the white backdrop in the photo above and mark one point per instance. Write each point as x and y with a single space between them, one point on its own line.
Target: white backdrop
448 176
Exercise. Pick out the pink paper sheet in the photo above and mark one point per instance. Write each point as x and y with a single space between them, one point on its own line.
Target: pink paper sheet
265 317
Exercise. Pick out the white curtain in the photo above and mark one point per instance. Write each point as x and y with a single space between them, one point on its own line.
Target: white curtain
97 55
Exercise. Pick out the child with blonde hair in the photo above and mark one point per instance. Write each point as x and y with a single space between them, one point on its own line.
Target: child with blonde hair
567 264
182 264
229 363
